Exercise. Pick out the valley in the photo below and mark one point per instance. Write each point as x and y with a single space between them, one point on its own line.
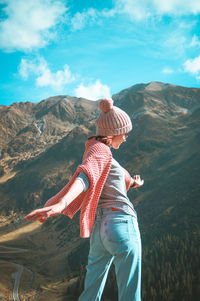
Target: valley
41 145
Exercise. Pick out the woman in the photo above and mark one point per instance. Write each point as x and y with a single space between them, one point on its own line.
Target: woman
99 188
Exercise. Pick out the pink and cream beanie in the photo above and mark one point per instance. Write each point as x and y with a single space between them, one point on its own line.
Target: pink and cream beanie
112 120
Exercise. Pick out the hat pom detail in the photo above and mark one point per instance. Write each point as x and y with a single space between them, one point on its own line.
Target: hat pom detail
106 104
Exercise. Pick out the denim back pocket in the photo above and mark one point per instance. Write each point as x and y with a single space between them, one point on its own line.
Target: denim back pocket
117 230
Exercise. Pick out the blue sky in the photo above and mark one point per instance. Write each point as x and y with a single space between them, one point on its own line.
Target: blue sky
94 49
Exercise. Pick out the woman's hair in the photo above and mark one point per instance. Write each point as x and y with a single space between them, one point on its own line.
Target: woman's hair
104 139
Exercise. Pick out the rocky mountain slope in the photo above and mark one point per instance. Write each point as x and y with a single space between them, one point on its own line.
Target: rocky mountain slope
41 145
29 129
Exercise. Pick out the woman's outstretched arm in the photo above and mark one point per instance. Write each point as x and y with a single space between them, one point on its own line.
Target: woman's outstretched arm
44 213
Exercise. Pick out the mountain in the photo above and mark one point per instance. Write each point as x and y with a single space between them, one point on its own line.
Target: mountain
41 145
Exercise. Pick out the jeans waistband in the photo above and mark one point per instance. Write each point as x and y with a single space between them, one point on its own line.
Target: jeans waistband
101 211
104 211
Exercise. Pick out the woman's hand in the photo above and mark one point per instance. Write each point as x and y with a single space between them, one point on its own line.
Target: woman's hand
55 209
44 213
137 181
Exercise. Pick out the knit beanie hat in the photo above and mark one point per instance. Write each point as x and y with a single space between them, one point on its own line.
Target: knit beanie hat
112 120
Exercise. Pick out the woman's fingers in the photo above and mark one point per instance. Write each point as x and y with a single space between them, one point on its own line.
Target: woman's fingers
138 181
39 218
32 215
42 220
29 216
44 213
37 213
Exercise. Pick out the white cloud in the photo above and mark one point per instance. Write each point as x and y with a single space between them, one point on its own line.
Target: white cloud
137 10
167 70
26 67
56 80
93 91
140 9
176 41
195 41
177 7
29 24
44 76
90 16
193 67
81 19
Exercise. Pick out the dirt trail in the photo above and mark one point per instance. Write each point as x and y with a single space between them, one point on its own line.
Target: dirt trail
16 275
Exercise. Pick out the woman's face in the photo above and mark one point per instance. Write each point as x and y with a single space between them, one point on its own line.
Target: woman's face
118 140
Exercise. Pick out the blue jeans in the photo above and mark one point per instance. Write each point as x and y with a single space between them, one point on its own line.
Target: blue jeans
115 238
